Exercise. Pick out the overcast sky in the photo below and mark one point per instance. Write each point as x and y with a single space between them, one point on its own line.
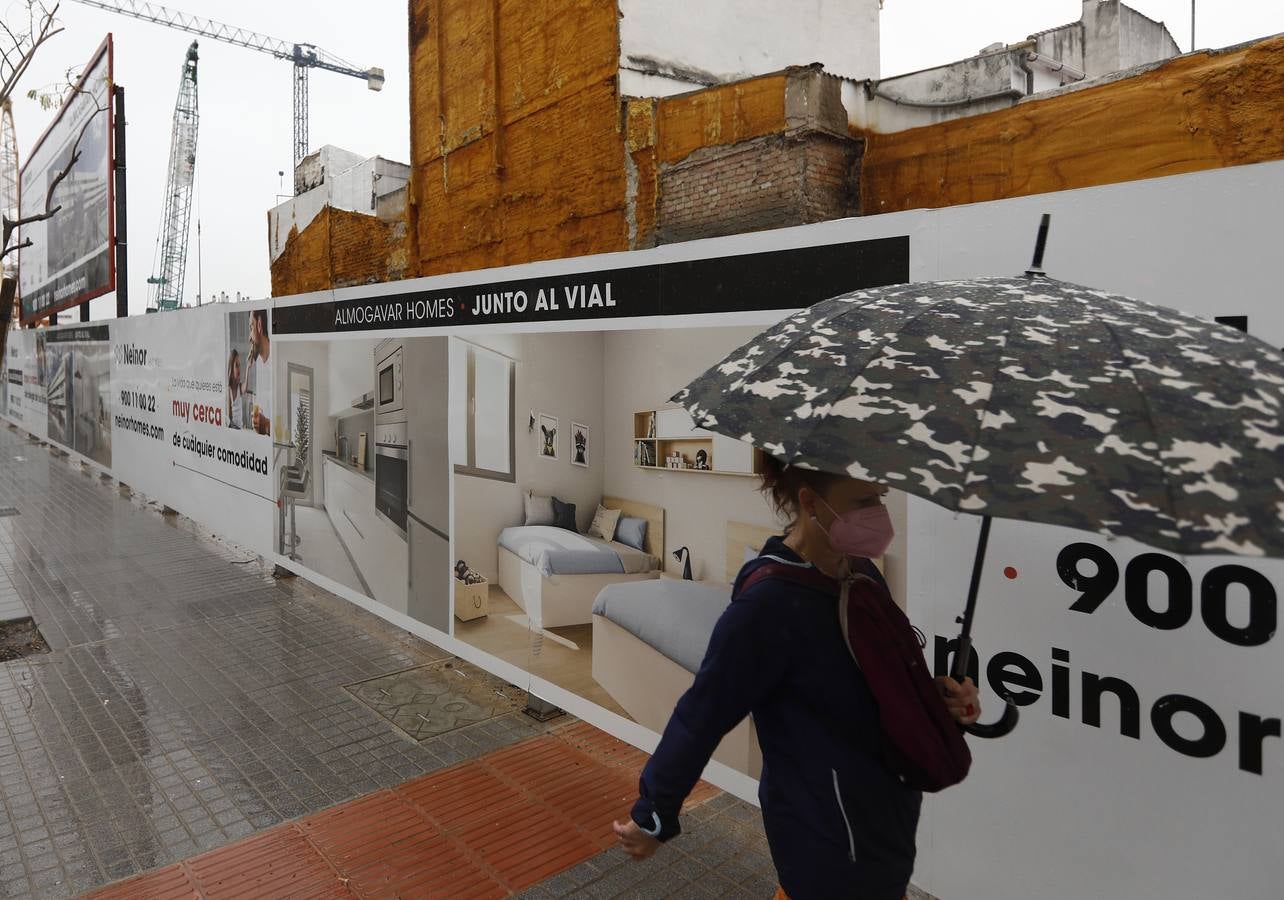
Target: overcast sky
245 99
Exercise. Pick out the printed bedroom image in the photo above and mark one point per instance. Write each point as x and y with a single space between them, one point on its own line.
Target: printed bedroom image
582 497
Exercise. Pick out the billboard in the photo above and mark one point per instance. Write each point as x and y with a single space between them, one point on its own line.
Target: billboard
70 258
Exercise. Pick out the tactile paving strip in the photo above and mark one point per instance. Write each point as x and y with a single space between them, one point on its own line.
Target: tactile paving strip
486 828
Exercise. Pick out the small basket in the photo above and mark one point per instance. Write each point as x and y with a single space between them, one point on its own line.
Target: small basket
472 601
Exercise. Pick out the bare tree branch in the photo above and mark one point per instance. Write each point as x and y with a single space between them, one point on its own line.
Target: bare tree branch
48 28
10 224
14 62
19 246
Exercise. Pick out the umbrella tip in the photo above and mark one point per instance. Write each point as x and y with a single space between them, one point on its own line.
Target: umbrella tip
1040 242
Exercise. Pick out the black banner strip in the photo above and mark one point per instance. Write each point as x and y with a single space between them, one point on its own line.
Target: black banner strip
80 334
775 279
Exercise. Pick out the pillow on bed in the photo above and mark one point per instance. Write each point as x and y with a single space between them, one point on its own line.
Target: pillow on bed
604 522
564 515
631 531
539 510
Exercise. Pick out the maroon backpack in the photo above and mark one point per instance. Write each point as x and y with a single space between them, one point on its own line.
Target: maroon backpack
925 745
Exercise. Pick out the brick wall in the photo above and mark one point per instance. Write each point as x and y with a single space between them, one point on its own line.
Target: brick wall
339 248
767 182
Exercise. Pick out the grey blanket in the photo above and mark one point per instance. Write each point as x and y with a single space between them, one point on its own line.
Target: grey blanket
674 617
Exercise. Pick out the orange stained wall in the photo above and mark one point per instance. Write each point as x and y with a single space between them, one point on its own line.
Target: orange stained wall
339 248
517 137
1203 111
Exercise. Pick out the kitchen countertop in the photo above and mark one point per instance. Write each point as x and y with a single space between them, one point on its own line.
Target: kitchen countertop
332 457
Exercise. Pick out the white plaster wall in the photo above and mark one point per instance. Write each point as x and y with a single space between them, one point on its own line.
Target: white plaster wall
886 117
1142 40
1064 44
355 188
559 375
325 162
1100 37
294 213
732 39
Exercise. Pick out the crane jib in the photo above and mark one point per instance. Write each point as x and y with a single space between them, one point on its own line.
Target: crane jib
303 56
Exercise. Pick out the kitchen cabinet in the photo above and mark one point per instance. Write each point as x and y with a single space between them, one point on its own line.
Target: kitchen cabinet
351 374
378 549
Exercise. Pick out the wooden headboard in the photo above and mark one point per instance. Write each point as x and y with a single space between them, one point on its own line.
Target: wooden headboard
654 516
740 536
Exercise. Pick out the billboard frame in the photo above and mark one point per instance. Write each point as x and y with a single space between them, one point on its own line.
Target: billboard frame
105 48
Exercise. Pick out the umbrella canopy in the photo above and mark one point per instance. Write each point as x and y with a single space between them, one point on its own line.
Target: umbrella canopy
1023 398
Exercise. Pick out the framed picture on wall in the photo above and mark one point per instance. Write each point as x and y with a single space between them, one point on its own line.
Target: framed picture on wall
548 436
579 445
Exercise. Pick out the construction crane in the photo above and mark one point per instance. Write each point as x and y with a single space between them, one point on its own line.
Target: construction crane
166 291
304 57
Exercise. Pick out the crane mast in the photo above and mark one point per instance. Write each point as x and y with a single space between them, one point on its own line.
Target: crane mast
304 57
166 291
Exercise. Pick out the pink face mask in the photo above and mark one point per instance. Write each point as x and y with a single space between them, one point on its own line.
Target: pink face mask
864 532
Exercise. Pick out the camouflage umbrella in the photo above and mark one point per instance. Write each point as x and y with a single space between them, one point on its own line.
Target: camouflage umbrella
1024 398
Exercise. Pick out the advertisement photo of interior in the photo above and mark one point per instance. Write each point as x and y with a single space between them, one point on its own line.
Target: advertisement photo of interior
361 467
597 530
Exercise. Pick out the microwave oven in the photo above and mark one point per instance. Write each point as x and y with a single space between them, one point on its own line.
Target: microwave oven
389 387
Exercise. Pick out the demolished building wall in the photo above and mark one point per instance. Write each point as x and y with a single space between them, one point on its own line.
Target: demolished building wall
1199 111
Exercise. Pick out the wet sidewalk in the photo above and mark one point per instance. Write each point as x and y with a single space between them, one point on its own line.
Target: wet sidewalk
190 701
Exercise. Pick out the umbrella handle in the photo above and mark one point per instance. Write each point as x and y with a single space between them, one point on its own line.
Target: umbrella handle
963 654
1004 726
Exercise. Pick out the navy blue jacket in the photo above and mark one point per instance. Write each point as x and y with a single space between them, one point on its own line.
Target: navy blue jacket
838 823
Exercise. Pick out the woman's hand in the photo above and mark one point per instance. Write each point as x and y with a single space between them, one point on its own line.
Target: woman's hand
961 700
636 842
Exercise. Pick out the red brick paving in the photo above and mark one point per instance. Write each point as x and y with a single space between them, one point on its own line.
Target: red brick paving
489 827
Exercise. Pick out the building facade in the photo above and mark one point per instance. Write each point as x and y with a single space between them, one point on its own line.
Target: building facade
548 131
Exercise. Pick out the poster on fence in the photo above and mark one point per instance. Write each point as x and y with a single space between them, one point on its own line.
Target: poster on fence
1147 685
192 420
25 400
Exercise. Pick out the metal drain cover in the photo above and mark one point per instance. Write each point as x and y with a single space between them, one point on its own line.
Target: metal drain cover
9 511
430 700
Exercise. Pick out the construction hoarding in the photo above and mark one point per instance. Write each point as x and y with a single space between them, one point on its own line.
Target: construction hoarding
490 460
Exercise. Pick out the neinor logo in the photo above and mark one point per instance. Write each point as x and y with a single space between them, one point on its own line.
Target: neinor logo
1014 676
129 355
1183 723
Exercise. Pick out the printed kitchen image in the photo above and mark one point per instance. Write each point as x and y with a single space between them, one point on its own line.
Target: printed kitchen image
361 468
597 530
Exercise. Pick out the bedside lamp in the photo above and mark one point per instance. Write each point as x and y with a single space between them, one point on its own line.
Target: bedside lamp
686 568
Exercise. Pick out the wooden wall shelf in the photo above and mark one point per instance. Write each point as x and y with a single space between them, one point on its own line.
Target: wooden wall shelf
669 432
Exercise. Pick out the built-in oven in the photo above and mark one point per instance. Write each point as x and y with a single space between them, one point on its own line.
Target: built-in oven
389 396
392 473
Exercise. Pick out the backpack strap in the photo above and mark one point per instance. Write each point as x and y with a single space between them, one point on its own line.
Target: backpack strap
798 573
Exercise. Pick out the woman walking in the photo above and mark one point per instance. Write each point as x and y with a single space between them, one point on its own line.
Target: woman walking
838 822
